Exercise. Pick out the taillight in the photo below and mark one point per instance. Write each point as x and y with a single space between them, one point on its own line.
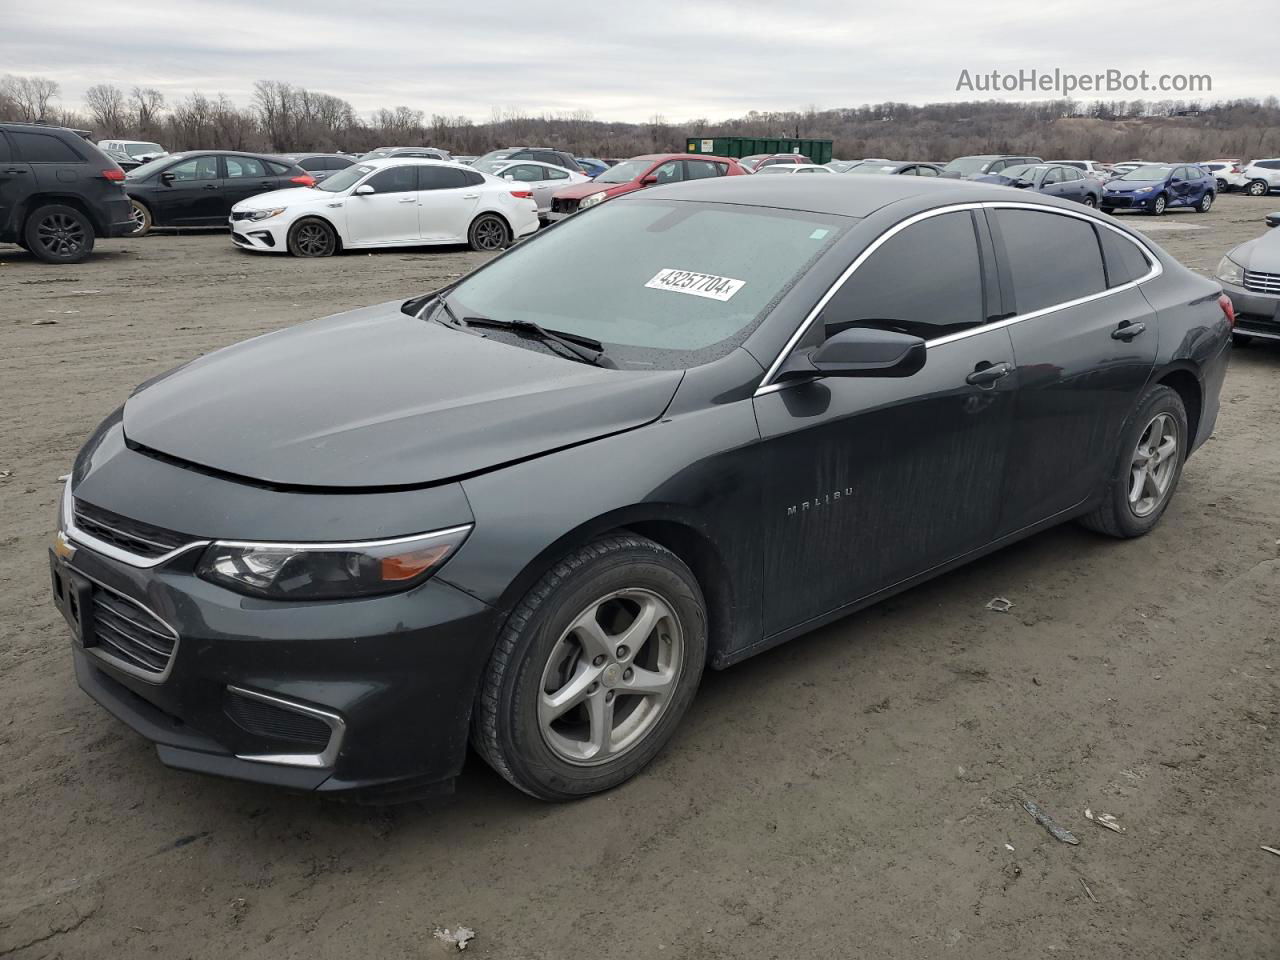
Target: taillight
113 173
522 194
1228 310
305 180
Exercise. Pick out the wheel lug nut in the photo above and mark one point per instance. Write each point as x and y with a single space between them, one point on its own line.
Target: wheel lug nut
623 651
608 697
628 674
598 661
593 688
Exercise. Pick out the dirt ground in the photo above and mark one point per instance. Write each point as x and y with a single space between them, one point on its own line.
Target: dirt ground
851 794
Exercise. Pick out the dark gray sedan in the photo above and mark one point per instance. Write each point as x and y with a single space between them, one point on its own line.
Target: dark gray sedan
909 168
319 165
1054 179
1250 275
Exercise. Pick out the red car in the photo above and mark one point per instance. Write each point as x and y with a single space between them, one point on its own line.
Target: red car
638 173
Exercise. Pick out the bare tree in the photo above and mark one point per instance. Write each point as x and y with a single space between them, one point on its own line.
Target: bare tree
106 104
148 102
29 96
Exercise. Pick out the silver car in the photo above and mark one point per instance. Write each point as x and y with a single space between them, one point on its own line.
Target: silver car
1262 176
1250 276
541 179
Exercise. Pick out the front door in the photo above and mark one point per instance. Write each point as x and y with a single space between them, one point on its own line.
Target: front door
1080 368
390 213
871 481
190 194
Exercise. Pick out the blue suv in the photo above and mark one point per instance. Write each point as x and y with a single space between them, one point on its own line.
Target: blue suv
1154 187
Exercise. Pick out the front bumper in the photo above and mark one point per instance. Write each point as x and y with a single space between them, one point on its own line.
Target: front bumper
1257 314
264 235
1128 201
371 696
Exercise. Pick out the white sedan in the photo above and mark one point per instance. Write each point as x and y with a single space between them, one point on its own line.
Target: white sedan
394 202
793 168
542 178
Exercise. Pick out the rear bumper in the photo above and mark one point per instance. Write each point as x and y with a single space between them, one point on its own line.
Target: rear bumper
118 217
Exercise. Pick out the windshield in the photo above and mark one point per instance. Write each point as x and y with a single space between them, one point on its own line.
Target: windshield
624 172
151 166
778 168
660 283
141 149
1149 172
345 178
492 160
865 168
376 154
965 166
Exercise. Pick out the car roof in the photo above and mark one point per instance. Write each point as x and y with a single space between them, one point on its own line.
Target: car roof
413 161
842 196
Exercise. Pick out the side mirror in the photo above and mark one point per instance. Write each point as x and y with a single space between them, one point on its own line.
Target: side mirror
364 190
167 177
859 352
649 180
507 176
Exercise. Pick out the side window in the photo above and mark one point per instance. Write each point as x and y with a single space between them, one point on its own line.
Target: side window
670 172
996 166
339 163
926 172
1268 164
700 170
311 164
4 148
238 167
1054 175
471 178
439 178
890 291
1125 262
43 148
524 173
722 169
280 169
555 173
1053 258
394 180
197 168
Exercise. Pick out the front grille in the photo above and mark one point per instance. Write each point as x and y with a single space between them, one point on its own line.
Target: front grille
1112 200
141 539
1262 282
276 723
129 632
563 205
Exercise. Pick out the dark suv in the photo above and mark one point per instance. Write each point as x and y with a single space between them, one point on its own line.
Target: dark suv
496 159
58 192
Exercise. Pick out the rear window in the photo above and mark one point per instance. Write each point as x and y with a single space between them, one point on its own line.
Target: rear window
1053 258
278 168
43 148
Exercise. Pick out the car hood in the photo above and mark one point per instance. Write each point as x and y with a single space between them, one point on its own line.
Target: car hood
1128 186
283 198
375 398
580 191
1261 254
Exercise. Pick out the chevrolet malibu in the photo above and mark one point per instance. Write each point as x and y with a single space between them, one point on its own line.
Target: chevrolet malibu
527 510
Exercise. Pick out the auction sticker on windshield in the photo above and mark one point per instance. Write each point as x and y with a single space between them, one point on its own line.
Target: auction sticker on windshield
696 284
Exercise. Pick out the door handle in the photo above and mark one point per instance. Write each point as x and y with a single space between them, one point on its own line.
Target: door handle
408 199
986 374
211 186
15 170
470 196
1127 331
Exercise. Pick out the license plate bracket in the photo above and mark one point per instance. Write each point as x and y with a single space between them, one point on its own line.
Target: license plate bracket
73 596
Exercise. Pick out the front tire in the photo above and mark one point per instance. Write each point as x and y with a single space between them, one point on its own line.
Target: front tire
142 219
489 233
1159 205
1147 467
59 234
312 238
593 670
1089 201
1258 188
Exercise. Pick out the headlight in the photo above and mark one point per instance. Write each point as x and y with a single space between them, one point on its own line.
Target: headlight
1230 271
1144 190
328 571
592 200
256 215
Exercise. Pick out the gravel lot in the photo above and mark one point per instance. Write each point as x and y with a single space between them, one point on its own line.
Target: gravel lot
851 794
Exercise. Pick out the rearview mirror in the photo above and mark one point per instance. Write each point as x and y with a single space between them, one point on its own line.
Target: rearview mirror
859 352
364 190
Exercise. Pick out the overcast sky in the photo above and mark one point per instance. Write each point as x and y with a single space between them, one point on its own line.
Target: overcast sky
621 61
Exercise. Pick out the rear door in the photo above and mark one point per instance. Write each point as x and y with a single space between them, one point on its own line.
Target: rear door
1084 346
532 177
244 177
870 481
16 183
447 202
390 213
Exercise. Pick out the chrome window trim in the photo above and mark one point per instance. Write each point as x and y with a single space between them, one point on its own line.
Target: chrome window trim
767 384
324 759
76 535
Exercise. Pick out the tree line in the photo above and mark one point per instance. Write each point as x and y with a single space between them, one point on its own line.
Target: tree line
285 117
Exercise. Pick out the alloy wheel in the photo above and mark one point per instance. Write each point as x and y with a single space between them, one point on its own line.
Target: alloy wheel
138 216
610 677
60 234
1158 207
490 234
1257 189
1089 201
1154 463
314 240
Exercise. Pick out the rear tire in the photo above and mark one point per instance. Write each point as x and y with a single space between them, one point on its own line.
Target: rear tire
58 234
1258 188
312 237
1089 201
142 218
564 644
489 233
1140 485
1205 203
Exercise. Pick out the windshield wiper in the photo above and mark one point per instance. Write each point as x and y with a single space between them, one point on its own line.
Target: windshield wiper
443 301
585 349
